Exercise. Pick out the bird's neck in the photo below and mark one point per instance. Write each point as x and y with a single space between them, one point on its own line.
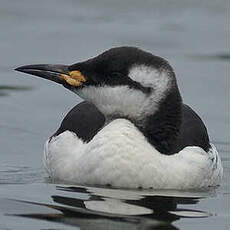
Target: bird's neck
163 126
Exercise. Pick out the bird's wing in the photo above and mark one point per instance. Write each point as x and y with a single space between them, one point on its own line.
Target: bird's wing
84 119
193 131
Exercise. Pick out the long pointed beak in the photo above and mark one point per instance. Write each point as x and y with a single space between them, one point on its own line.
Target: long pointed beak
46 71
56 73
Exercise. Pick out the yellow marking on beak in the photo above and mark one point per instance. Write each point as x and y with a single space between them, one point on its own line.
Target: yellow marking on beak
77 75
75 78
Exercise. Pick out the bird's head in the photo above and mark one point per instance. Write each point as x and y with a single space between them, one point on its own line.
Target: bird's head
121 82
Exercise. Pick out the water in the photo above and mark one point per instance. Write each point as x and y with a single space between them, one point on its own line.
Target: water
193 36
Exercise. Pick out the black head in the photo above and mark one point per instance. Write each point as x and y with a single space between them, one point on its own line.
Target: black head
124 80
112 67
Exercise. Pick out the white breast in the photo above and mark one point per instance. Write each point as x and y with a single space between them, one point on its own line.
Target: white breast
120 155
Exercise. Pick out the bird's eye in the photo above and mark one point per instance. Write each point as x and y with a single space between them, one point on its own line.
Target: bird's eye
116 74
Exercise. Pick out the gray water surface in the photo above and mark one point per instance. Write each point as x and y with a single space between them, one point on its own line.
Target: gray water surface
192 35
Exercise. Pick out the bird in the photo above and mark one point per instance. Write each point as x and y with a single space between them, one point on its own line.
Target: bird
132 129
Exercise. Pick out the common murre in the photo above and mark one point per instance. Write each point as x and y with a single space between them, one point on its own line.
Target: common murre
132 130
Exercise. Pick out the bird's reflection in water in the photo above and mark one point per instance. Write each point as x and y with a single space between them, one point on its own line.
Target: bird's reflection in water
103 208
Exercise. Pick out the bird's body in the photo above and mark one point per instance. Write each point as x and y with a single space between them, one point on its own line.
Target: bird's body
133 130
120 156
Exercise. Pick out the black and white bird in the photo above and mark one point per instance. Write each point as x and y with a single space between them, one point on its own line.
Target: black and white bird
132 130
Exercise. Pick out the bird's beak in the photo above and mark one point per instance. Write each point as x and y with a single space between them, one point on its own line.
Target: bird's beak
56 73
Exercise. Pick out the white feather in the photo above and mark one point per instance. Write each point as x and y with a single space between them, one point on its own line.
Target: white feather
121 156
159 80
116 100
